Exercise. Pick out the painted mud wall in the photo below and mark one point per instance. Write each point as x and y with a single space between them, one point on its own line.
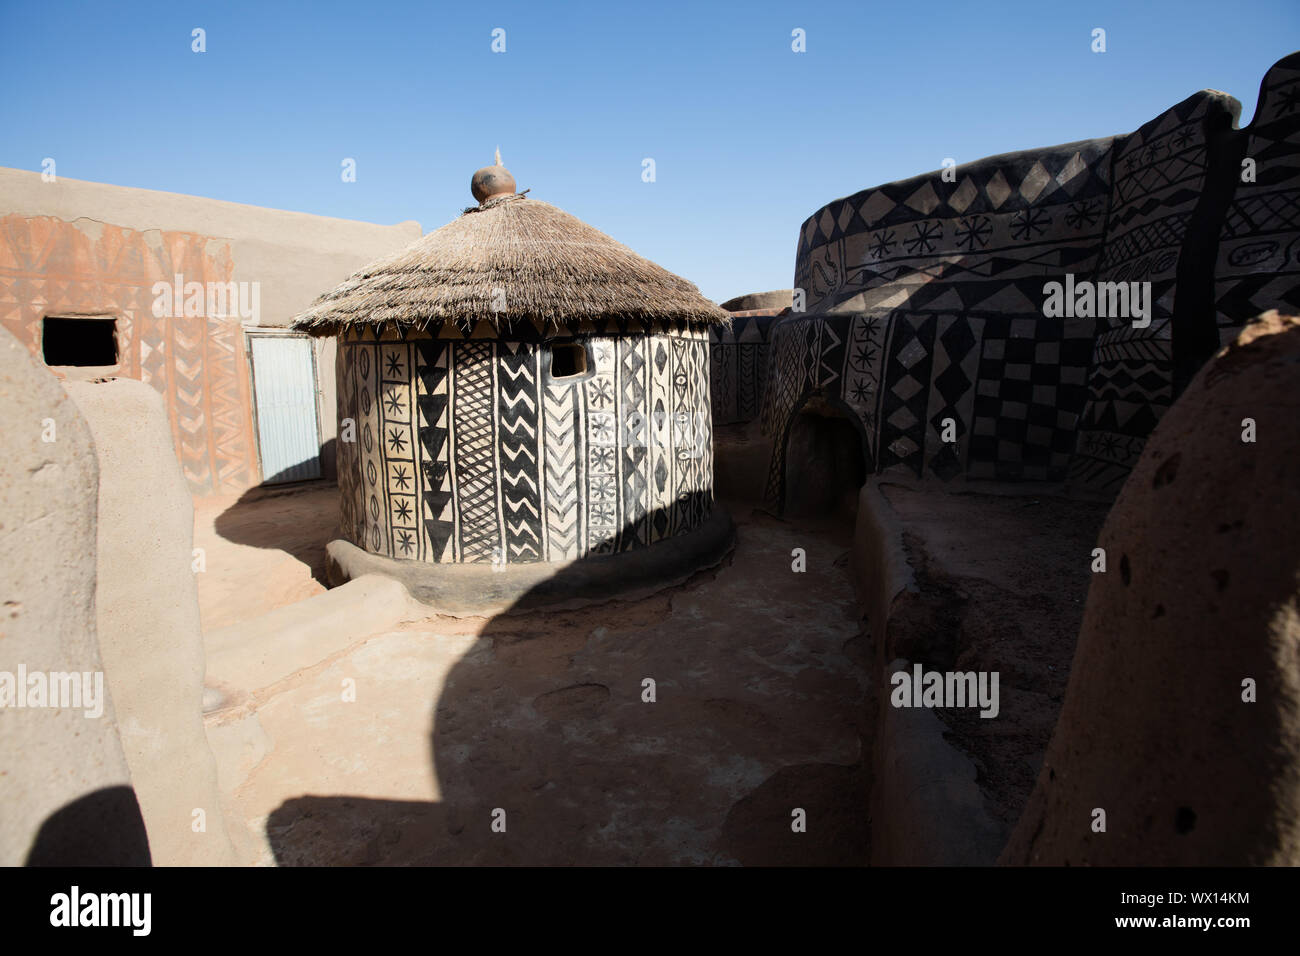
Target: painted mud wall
52 267
468 451
927 324
72 248
739 355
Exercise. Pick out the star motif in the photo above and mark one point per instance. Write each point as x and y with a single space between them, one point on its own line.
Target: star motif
603 488
926 238
974 232
602 428
882 243
1081 214
1031 223
601 394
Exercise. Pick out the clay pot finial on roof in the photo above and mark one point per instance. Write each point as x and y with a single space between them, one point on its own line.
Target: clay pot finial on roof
491 182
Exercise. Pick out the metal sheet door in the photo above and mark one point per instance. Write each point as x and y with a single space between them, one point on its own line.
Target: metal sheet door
284 390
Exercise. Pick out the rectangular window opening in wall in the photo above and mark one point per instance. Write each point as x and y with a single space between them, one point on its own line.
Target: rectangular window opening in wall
79 341
568 360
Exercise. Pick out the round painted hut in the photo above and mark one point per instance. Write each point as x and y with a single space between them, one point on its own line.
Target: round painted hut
519 389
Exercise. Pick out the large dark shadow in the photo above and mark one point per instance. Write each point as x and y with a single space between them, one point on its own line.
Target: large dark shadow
103 828
544 718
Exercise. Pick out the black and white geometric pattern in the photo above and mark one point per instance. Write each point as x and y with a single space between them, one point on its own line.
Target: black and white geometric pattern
956 369
739 358
927 295
519 409
470 451
903 403
475 467
398 438
433 371
1160 181
980 242
1259 247
937 394
600 392
1031 392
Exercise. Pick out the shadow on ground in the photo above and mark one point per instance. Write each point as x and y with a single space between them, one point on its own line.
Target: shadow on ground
544 727
102 828
266 517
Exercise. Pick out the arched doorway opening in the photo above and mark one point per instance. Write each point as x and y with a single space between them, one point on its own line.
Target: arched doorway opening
826 462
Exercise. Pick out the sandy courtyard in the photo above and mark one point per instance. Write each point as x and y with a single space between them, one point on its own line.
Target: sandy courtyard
262 550
419 743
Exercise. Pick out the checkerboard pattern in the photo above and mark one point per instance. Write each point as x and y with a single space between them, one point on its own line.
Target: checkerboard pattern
926 295
1031 391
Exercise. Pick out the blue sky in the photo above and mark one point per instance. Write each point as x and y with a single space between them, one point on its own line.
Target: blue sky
748 137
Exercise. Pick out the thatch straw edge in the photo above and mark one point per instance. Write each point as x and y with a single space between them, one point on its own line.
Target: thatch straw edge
512 261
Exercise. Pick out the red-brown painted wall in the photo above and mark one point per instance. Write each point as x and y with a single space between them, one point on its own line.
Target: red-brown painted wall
52 267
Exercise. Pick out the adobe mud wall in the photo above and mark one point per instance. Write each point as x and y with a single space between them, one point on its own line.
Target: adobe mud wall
78 248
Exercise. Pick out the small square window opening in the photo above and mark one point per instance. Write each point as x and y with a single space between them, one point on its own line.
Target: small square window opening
79 342
568 360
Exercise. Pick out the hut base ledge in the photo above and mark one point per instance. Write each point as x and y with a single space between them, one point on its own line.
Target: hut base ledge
476 590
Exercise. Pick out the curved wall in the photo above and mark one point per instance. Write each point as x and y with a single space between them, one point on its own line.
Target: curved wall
471 451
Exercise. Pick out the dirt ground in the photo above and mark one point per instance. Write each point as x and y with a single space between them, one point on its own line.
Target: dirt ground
1005 578
262 550
531 739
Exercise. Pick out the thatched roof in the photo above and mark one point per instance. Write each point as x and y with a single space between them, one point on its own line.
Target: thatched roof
508 261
